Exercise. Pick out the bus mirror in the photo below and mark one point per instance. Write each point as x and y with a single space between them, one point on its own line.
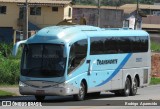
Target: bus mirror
16 46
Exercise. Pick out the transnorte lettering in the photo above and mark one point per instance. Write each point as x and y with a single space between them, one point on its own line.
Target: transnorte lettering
111 61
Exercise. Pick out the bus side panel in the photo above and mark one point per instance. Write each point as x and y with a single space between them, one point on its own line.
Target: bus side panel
117 81
106 73
97 77
138 64
114 84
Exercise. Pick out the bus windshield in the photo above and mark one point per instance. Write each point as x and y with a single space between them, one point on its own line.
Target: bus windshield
43 60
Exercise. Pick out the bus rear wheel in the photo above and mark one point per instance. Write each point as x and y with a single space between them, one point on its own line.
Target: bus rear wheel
82 92
127 89
39 98
134 87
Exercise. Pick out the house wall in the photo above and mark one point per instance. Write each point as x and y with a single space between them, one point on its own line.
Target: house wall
151 19
66 12
108 18
48 17
130 20
11 17
111 18
9 22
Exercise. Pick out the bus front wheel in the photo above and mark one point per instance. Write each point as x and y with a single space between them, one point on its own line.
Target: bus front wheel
39 98
82 92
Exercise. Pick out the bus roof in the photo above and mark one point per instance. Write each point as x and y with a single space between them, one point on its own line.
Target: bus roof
68 34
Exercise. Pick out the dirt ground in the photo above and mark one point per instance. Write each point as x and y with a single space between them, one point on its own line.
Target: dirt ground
155 65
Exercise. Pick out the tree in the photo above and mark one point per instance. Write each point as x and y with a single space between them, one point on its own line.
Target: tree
147 1
115 2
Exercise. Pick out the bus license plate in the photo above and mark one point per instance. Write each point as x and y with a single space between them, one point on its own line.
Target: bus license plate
40 92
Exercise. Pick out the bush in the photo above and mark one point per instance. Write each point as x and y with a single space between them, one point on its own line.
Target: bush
6 49
9 71
155 47
9 65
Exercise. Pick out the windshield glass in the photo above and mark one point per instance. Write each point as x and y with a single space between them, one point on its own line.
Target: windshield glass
43 60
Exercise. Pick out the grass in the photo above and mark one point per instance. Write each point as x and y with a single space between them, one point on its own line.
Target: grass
4 93
8 85
155 81
155 47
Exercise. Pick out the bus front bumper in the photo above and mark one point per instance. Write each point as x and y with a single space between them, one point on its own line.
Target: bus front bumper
52 90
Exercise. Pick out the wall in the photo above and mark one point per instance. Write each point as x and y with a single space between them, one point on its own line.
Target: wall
10 18
66 11
47 17
111 18
108 18
151 19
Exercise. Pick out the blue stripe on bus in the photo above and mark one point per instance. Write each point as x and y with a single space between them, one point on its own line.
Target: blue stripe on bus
117 70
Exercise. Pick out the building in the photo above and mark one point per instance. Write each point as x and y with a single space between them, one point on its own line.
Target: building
109 16
42 13
148 16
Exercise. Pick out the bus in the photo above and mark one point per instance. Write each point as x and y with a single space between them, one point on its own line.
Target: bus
79 60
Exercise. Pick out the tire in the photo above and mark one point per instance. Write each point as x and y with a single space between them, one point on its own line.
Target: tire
134 87
39 98
127 89
82 92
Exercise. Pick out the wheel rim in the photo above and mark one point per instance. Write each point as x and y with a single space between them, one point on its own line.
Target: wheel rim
135 86
127 87
81 91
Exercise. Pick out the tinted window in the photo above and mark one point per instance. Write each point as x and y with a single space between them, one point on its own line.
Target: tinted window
43 60
35 11
3 9
124 44
55 9
78 53
112 45
97 45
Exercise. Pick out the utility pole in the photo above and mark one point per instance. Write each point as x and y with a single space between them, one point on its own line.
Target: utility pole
136 18
25 26
99 13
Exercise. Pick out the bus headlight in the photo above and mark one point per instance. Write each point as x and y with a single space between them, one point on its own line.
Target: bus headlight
21 84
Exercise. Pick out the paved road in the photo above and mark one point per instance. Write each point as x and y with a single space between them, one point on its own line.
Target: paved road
106 98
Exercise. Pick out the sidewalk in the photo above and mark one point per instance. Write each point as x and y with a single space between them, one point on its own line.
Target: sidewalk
11 89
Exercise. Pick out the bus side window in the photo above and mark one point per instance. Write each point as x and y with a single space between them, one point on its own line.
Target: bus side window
78 52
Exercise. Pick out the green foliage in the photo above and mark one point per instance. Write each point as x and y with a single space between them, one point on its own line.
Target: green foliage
9 65
113 2
9 71
155 47
4 93
5 49
147 1
85 2
155 81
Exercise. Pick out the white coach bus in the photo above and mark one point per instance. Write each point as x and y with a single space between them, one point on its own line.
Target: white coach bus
77 60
